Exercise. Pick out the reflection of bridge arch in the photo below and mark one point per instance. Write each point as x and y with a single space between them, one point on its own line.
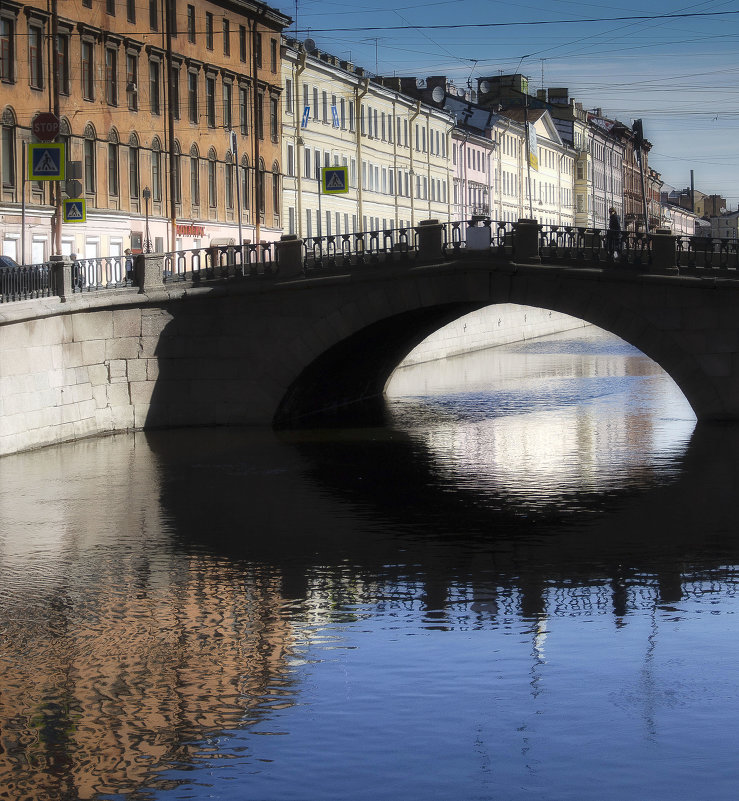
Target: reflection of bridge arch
367 327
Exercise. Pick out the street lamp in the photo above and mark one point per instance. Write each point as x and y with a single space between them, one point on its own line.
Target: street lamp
147 238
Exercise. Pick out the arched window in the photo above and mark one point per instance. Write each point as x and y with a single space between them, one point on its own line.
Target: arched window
260 184
194 176
8 149
176 172
156 170
245 183
212 189
113 180
134 189
276 190
89 162
229 181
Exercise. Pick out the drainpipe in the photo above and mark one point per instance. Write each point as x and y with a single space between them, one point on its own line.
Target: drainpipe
359 92
299 150
410 131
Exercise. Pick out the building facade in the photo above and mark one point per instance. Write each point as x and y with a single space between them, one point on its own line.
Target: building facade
147 98
395 149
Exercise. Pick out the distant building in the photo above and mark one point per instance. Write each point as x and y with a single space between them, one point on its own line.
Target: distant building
725 226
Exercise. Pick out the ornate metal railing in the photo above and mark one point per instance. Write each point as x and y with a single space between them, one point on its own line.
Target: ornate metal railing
372 247
702 253
26 283
478 235
108 272
594 245
220 261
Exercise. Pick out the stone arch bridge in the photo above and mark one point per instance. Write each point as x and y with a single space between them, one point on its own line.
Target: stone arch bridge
291 350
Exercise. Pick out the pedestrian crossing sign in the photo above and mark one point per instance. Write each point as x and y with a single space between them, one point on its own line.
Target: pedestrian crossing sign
46 161
334 180
74 210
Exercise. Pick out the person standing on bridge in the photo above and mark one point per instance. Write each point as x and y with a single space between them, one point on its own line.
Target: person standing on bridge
613 240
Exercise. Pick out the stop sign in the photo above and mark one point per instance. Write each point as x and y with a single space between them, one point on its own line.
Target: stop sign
45 126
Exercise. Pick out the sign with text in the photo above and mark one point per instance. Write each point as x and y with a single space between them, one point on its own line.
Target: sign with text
306 116
46 162
45 126
334 180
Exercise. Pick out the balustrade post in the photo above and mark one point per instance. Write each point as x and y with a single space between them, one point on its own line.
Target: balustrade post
61 268
149 271
429 240
289 256
526 242
664 250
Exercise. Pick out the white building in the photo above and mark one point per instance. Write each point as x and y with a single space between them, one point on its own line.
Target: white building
395 148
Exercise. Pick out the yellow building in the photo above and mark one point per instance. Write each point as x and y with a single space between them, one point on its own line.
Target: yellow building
396 149
147 97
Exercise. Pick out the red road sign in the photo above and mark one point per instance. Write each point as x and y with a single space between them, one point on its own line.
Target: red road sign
45 126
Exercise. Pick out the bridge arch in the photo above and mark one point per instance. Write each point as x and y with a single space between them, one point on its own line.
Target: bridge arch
348 377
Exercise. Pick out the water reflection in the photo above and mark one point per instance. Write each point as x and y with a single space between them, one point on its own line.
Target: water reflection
523 597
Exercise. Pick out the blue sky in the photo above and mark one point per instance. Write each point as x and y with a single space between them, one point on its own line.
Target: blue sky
679 73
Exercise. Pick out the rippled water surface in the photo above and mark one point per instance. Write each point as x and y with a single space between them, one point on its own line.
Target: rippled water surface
522 587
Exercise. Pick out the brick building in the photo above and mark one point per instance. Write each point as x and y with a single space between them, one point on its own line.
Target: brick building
147 96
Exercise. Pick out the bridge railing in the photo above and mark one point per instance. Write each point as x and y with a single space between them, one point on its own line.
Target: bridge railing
107 272
26 283
705 253
594 245
358 249
479 234
220 261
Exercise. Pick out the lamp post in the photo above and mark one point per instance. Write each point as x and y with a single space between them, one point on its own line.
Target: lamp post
147 238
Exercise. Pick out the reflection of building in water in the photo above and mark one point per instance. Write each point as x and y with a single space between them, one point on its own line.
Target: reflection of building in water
100 696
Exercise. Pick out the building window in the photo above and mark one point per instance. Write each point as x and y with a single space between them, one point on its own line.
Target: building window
276 191
8 148
131 10
229 182
7 49
288 96
208 30
258 48
191 23
273 55
133 167
36 56
315 103
261 178
273 118
290 159
111 76
153 15
227 93
192 97
154 87
62 63
89 161
210 101
244 110
194 177
242 43
175 91
226 37
259 122
212 196
177 173
245 201
156 171
132 80
110 7
113 168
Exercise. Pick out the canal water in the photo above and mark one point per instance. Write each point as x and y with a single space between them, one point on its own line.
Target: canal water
523 586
